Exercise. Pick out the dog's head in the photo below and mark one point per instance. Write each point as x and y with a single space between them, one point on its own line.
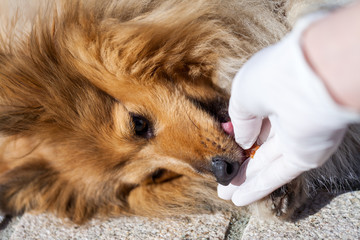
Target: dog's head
167 110
121 103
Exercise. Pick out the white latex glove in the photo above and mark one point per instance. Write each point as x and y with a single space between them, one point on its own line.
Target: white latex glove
306 124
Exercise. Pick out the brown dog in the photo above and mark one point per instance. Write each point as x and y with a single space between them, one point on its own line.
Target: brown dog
115 107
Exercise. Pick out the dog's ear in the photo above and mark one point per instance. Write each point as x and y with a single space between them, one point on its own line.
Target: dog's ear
154 50
169 42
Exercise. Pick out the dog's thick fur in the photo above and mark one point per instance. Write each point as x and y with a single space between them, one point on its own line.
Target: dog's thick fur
114 107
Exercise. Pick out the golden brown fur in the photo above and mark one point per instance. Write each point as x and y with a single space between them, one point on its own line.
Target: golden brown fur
73 84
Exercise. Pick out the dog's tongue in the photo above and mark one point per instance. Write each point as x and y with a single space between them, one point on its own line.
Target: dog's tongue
228 128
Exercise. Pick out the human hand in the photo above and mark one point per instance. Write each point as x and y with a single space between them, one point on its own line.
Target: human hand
306 124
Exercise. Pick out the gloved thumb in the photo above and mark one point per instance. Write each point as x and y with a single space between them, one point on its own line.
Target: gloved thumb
246 126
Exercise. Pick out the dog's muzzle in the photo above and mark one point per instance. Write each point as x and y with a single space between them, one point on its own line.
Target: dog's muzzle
224 169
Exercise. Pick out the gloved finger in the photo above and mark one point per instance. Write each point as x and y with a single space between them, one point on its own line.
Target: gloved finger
226 192
246 125
267 153
271 177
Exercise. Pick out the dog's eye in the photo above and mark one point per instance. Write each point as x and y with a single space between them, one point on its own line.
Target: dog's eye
141 126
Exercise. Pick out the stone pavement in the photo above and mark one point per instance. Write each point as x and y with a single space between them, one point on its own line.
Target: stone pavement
326 217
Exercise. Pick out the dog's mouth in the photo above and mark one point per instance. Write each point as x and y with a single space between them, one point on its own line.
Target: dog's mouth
224 169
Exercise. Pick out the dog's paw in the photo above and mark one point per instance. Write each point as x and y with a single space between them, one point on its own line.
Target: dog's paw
286 199
281 201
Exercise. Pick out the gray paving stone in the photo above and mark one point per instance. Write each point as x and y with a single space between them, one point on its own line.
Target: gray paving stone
339 219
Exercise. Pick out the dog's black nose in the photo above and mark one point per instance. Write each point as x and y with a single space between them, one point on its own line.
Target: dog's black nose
224 170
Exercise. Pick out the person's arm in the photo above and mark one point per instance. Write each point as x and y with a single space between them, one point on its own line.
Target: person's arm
332 48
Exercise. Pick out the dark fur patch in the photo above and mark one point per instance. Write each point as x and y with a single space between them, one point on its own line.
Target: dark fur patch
19 119
17 184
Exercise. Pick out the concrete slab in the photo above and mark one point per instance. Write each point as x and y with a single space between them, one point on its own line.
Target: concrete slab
339 219
6 233
326 217
48 227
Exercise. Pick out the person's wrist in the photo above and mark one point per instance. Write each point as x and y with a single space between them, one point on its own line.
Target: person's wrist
331 49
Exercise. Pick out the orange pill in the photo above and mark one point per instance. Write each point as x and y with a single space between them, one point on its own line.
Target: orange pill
251 151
